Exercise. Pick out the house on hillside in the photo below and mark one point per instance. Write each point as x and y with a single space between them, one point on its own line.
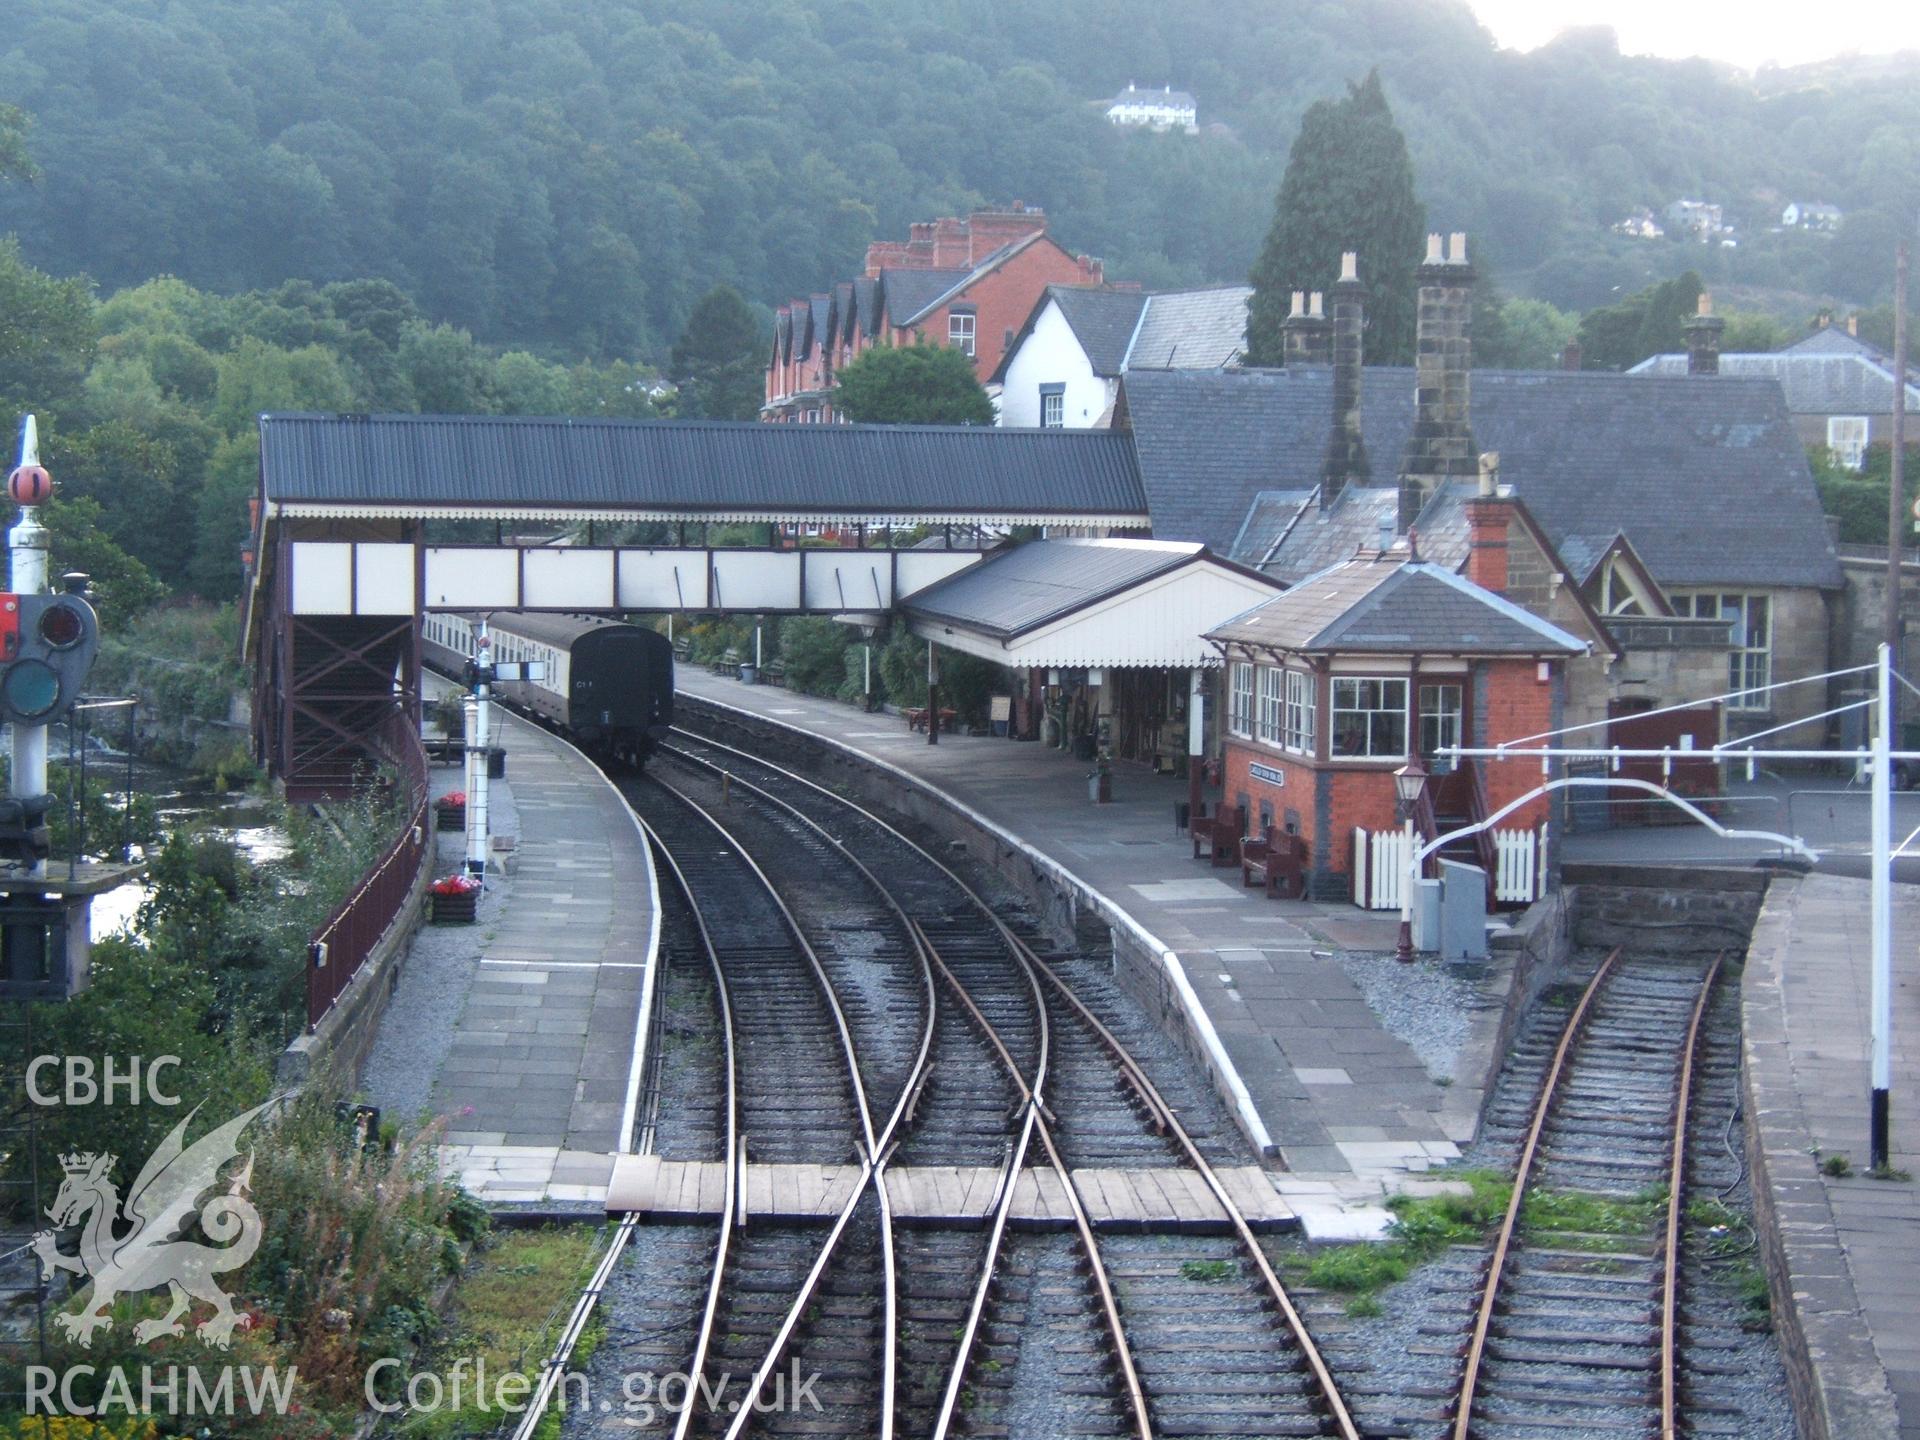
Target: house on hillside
1639 224
1064 366
1839 390
1671 522
966 282
1163 109
1697 220
1824 218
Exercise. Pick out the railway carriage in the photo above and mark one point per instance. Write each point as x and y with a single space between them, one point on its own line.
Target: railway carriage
606 684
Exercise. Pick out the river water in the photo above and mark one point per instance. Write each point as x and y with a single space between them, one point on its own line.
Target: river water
183 802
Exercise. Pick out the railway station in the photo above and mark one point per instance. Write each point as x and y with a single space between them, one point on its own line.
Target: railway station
1309 856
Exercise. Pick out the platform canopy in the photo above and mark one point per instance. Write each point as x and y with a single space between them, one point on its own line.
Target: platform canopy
1089 604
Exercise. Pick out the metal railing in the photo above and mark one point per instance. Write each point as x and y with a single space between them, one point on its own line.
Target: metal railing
344 940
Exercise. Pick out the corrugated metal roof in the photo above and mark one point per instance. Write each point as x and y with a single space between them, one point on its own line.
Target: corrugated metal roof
1030 585
374 463
560 630
1388 605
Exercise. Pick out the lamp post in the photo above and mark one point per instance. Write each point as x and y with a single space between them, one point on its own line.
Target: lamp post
1408 781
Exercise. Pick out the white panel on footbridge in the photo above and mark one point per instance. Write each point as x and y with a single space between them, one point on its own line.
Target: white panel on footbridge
568 578
756 579
345 578
468 578
920 568
663 580
841 580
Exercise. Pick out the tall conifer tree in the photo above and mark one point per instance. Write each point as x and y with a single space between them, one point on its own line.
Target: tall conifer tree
1348 186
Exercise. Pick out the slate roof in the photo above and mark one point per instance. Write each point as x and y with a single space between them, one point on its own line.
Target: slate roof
1390 605
1102 320
866 308
1706 477
694 466
1817 383
1031 585
1192 329
1834 340
908 292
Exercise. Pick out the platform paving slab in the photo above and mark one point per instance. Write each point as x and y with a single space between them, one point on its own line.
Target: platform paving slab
1261 968
1846 1249
530 1066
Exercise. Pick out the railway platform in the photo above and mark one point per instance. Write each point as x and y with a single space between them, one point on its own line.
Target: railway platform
518 1031
1846 1246
1351 1106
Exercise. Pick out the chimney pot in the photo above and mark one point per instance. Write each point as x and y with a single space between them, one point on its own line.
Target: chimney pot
1457 248
1316 306
1489 473
1434 257
1570 357
1349 265
1299 305
1705 304
1853 326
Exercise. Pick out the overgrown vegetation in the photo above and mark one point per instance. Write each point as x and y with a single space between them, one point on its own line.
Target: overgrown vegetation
513 1298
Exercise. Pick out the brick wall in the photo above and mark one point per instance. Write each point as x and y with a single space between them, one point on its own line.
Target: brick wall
1518 704
1002 300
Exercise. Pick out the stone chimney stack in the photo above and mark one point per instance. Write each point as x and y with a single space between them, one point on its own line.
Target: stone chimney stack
1489 516
1346 462
1441 445
1570 357
1703 338
1304 334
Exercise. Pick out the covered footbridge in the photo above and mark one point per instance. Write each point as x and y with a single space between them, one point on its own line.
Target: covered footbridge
364 524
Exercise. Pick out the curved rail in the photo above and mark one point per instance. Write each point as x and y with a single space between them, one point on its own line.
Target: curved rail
1676 1188
735 1145
1503 1243
874 1151
1163 1115
1034 1124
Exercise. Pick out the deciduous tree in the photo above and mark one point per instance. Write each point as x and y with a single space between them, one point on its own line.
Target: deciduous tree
922 384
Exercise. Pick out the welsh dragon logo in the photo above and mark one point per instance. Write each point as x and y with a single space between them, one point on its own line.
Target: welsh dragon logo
123 1261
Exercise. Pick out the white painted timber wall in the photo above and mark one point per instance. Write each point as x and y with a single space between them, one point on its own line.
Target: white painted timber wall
1051 355
361 578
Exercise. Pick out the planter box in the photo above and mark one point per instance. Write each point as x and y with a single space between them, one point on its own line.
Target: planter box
450 817
453 909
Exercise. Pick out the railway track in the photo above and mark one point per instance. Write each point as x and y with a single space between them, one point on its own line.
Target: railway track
1581 1331
1201 1336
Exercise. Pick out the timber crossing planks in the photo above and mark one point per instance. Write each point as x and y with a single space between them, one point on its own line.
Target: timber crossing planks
1148 1199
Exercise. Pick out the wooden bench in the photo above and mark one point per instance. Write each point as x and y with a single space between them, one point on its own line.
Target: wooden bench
1216 838
1276 860
917 718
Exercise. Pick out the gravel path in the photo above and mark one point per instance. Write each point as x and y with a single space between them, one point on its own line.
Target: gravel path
1429 1005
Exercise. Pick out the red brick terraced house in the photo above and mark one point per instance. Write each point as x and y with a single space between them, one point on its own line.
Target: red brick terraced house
1335 684
966 282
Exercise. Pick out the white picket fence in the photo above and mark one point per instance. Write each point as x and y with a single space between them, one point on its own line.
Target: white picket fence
1380 867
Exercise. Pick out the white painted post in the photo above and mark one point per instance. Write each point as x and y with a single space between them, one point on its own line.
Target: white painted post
1882 994
1408 874
756 649
477 818
27 549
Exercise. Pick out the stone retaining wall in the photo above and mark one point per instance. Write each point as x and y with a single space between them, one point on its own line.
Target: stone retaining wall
1665 911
